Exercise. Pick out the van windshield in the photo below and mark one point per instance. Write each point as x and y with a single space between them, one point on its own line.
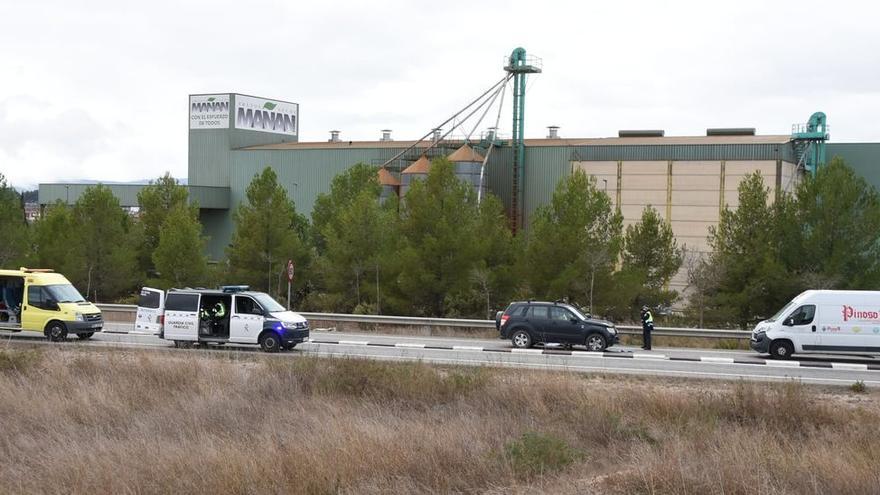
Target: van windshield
267 302
65 293
780 312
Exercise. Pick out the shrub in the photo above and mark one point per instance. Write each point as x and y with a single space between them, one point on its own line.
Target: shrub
538 453
19 361
858 387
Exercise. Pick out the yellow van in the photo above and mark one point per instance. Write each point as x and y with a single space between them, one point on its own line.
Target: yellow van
43 301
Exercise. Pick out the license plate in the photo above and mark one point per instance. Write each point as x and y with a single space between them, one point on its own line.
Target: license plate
96 325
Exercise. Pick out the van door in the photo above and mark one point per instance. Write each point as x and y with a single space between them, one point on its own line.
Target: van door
246 322
802 324
150 311
38 308
181 316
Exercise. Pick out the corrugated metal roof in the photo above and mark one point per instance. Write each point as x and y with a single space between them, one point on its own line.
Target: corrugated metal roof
420 166
465 154
386 179
612 141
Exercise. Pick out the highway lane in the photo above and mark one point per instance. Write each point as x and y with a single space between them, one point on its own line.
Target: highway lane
697 363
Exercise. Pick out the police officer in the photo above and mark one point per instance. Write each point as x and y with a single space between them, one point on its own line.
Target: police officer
647 327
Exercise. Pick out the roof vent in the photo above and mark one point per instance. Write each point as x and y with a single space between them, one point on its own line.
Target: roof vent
334 136
491 133
731 131
437 133
386 135
641 133
552 132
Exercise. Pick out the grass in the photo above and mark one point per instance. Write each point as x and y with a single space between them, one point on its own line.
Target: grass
81 420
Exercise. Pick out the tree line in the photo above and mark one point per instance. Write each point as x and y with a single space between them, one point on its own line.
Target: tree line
438 252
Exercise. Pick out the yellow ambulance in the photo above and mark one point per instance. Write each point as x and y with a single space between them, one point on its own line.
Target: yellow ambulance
41 300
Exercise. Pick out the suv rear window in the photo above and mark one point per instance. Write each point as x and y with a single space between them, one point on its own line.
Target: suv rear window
148 299
182 302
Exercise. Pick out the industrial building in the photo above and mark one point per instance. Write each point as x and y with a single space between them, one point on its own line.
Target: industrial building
689 180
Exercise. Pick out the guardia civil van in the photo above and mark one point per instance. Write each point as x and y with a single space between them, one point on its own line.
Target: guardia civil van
822 321
41 300
231 314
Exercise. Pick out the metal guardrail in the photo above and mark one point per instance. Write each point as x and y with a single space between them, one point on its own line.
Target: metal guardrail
706 333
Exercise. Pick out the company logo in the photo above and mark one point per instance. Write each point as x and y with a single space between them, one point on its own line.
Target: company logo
876 329
857 329
269 105
849 313
210 106
265 120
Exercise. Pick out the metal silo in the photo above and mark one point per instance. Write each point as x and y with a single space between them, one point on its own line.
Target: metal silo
467 168
390 185
417 171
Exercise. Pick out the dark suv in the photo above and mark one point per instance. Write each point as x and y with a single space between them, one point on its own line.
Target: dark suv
531 322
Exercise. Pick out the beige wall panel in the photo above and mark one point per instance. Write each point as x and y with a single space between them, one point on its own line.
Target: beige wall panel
695 198
696 182
607 168
645 168
695 213
681 228
635 197
634 212
766 167
696 168
644 182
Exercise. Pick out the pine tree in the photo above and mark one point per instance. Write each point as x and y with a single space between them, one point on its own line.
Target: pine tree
156 201
14 232
180 256
651 254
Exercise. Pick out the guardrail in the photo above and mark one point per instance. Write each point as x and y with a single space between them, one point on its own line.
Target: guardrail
463 324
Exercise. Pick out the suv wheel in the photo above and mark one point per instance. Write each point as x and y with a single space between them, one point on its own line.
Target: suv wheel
595 342
521 339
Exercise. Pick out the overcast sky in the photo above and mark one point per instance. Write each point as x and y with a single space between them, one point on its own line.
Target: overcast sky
98 89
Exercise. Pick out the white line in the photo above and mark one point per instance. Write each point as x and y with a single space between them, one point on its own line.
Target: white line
639 355
466 348
850 366
353 342
527 351
782 364
712 359
407 344
592 354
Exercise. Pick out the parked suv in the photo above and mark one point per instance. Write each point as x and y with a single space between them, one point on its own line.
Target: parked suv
531 322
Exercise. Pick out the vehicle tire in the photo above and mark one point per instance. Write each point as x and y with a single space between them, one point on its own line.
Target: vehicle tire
781 349
183 344
85 336
521 339
56 331
595 342
270 342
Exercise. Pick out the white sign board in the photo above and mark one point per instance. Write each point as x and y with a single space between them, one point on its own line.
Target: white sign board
209 112
258 114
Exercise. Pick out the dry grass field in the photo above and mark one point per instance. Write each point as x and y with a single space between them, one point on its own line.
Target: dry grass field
119 421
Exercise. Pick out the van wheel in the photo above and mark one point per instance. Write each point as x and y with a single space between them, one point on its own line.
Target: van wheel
521 339
85 336
781 349
595 342
56 331
270 342
183 344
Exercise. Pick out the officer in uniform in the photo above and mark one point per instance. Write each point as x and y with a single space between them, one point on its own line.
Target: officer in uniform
647 327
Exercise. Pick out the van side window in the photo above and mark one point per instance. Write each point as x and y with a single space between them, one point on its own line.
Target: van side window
35 296
182 302
246 306
804 314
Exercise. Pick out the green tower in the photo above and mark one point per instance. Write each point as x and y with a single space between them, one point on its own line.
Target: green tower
518 66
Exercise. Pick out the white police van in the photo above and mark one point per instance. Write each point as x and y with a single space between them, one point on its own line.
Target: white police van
232 314
822 321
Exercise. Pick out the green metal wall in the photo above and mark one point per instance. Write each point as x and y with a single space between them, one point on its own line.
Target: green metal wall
864 158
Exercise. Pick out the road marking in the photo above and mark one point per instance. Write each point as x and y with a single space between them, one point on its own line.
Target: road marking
850 366
407 344
782 364
712 359
352 342
466 348
591 354
640 355
527 351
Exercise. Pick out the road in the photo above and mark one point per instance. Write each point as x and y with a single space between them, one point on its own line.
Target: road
671 362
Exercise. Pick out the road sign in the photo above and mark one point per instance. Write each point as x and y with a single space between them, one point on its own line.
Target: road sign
290 270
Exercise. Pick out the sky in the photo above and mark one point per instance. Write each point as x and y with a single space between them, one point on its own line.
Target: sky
99 89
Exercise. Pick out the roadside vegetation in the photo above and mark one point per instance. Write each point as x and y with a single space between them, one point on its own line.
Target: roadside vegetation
118 421
437 252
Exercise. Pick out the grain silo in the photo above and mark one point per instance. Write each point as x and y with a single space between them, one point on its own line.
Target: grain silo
390 185
467 168
417 171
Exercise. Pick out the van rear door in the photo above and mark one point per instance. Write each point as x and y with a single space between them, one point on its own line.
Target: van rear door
182 316
150 311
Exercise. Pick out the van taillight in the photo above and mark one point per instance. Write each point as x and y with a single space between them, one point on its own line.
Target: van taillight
504 319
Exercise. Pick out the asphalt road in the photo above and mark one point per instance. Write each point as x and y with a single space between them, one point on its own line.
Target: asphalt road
672 362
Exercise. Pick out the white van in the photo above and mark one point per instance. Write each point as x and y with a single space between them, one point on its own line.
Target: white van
230 315
822 321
